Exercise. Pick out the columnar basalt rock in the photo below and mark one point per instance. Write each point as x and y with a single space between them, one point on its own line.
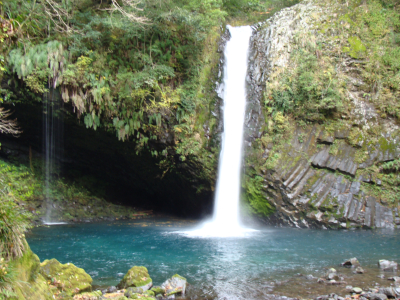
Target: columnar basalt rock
316 181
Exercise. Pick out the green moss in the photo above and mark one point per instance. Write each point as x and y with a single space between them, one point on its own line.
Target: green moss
356 49
255 197
361 156
179 276
29 284
135 277
386 145
66 277
334 148
149 293
158 290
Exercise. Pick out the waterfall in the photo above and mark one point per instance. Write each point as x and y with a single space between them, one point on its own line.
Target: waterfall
53 139
225 221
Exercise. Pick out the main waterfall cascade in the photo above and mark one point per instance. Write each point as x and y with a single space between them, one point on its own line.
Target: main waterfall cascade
225 221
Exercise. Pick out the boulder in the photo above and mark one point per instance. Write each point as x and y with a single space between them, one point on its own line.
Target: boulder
133 290
376 296
34 285
396 279
388 291
356 290
149 293
158 290
67 277
136 277
387 265
352 262
175 285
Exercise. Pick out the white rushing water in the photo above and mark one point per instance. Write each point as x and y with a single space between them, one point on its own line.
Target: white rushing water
53 140
225 221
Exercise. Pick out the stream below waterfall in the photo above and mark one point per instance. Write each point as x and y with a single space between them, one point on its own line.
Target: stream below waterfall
267 261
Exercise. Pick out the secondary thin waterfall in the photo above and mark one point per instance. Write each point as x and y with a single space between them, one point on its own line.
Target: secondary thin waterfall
225 221
53 138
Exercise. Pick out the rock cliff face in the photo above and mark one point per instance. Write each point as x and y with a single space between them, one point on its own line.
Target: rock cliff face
324 176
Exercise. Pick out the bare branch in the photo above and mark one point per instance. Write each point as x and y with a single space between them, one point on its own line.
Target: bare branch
8 126
57 15
133 4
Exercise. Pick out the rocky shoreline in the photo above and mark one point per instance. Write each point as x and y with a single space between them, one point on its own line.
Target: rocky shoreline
349 281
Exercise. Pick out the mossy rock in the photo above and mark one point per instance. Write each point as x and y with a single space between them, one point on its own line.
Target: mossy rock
133 290
175 285
141 297
96 295
158 290
136 277
31 285
149 293
66 277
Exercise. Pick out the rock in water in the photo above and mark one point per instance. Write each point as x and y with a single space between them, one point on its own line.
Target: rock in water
332 270
68 278
136 277
359 270
388 291
376 296
387 265
396 279
352 262
176 284
356 290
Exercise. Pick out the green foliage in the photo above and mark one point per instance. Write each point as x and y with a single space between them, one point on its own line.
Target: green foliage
308 91
7 277
393 166
13 224
374 29
14 220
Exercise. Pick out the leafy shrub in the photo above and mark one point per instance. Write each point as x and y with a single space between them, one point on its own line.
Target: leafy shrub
308 91
6 279
14 220
13 224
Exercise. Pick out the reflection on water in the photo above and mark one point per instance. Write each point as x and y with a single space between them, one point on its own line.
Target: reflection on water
236 268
